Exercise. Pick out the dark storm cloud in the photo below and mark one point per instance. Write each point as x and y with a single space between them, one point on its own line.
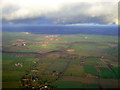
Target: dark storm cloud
66 13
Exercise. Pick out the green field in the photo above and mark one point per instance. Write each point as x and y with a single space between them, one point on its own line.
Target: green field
91 70
106 73
74 85
59 61
75 70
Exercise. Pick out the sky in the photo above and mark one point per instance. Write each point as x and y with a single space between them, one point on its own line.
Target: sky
55 12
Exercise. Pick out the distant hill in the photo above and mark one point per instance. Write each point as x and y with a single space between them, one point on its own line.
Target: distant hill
61 29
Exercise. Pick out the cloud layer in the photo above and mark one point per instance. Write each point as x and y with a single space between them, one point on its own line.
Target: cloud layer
59 12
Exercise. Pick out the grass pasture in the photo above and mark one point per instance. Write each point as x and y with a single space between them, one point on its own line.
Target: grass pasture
75 70
57 67
73 85
106 73
91 70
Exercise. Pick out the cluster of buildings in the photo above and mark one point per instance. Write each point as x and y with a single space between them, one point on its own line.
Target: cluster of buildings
70 50
48 36
26 32
29 80
19 44
18 64
52 37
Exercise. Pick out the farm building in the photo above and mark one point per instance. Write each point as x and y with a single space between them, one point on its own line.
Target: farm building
82 62
18 64
26 32
19 44
34 70
70 50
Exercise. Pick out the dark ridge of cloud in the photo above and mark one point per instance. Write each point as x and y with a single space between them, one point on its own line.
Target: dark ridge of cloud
38 20
99 13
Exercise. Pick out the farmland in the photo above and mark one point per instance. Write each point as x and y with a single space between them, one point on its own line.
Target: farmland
59 61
